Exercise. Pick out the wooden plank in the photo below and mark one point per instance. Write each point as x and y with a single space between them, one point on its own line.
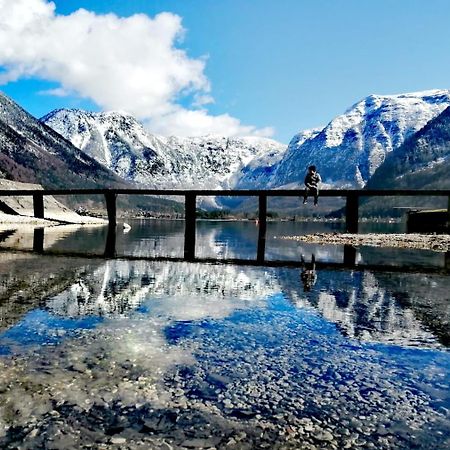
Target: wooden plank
38 205
351 213
262 230
110 199
189 226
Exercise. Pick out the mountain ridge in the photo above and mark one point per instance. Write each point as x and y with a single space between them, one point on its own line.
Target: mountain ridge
32 152
353 145
347 151
121 143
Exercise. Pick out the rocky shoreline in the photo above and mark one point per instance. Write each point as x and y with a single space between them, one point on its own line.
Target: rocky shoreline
438 243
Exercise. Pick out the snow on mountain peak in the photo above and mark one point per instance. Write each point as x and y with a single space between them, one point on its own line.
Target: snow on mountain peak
121 143
354 144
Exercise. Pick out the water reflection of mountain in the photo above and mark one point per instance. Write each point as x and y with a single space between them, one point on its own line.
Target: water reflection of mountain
184 291
22 236
147 378
146 238
391 308
428 296
124 353
397 308
27 280
239 240
383 307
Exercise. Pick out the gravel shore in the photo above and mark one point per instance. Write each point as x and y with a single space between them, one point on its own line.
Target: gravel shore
438 243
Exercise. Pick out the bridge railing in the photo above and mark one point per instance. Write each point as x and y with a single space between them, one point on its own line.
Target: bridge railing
352 197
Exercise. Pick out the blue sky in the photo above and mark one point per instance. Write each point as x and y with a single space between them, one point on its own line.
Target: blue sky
267 67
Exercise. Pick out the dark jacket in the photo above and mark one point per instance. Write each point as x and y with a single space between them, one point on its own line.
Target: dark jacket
312 180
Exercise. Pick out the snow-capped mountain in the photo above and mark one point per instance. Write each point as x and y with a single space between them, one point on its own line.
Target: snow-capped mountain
258 173
422 162
353 145
32 152
122 144
347 151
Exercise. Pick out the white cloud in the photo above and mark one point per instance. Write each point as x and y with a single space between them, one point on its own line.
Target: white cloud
200 123
203 99
57 92
132 64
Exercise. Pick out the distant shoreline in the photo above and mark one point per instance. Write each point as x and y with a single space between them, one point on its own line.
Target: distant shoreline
269 219
96 219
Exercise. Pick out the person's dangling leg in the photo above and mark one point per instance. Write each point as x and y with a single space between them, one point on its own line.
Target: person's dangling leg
316 196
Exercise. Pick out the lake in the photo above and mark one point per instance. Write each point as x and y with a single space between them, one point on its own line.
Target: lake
160 354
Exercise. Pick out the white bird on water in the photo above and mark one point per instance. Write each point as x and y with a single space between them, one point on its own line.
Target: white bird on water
126 227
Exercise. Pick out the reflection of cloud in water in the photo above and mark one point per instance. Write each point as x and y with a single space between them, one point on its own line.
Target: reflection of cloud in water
212 245
125 358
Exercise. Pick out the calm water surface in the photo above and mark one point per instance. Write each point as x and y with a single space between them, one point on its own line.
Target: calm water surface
120 353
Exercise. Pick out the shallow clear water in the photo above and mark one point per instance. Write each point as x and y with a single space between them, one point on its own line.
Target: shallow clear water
101 353
216 239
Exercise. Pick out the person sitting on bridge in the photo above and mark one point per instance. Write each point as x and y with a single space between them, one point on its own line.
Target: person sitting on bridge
312 181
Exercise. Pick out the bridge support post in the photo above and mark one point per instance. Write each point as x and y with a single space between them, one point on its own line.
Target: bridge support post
38 240
189 226
110 199
110 244
349 255
262 228
448 212
351 213
38 205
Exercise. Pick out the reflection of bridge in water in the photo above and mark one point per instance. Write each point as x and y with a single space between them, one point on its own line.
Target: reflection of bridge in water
385 304
352 200
348 262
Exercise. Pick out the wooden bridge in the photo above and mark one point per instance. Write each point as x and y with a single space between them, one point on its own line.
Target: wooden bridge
351 196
